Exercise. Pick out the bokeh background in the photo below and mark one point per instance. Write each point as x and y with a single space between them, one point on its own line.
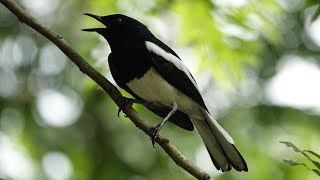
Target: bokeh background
256 63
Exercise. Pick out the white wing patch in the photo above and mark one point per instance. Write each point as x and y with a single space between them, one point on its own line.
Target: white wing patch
171 58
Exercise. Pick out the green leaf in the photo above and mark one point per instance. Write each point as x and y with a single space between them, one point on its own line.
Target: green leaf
313 153
294 163
289 144
316 13
291 162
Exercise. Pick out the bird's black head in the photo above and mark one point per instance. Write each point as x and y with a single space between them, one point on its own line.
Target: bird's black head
121 31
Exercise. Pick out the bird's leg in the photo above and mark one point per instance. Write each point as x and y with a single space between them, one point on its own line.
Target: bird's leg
155 130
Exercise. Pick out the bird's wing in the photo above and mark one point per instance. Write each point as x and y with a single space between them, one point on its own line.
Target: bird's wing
179 118
168 64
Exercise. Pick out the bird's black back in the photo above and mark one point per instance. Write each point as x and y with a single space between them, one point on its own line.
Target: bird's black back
131 59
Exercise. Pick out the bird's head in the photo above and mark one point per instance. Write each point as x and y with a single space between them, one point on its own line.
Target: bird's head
120 29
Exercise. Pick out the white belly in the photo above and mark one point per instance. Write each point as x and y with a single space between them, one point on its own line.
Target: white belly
153 88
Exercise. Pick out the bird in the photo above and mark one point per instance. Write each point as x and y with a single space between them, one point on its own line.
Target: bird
151 71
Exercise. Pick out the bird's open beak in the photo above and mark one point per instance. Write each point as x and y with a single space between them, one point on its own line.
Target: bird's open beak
95 17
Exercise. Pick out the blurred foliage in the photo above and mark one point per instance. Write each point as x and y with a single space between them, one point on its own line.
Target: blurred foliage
304 153
55 123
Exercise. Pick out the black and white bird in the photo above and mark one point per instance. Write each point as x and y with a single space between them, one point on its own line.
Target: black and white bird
150 71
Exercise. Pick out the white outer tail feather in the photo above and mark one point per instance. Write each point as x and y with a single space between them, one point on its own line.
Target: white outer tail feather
224 132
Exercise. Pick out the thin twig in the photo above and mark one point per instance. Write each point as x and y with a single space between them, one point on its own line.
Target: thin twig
108 87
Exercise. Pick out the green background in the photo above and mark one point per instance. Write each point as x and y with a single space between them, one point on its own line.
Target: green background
56 123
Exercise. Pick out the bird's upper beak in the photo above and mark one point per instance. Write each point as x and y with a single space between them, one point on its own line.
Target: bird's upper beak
99 18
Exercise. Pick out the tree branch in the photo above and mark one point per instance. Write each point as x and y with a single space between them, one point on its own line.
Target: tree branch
108 87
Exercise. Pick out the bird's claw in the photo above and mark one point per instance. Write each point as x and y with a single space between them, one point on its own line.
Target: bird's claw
119 111
124 103
154 133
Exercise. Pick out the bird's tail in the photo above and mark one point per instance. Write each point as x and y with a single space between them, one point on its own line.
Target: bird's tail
219 144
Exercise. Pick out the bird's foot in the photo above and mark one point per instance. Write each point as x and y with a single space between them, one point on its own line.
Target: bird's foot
130 101
154 131
125 101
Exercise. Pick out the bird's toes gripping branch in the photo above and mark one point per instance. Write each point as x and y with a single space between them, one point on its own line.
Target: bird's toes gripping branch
124 102
128 101
154 131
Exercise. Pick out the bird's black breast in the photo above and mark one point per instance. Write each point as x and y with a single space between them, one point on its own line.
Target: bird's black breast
129 64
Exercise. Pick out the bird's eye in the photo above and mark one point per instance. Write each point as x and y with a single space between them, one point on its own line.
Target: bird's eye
119 20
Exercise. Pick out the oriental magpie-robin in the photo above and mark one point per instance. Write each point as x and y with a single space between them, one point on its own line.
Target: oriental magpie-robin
150 71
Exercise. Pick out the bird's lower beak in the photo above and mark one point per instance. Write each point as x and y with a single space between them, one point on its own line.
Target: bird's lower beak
95 17
93 29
